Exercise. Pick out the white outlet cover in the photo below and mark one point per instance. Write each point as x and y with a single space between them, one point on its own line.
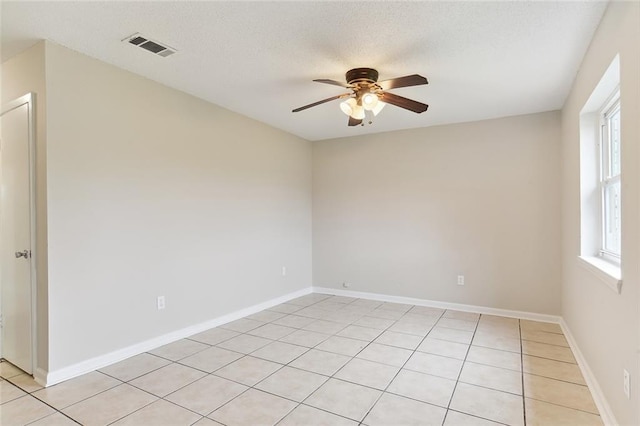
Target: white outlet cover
626 384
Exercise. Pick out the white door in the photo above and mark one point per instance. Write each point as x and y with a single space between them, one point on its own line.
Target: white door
16 197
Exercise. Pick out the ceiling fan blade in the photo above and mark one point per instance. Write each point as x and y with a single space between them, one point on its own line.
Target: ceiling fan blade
405 103
333 82
354 121
333 98
406 81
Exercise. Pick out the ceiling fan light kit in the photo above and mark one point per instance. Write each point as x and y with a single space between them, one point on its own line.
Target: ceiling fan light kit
367 94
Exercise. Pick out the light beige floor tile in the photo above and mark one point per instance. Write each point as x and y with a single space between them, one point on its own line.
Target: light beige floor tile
543 350
411 327
345 318
461 315
495 357
280 352
489 404
23 410
109 406
561 393
444 348
457 324
451 335
211 359
419 319
460 419
242 325
272 331
342 345
285 308
423 387
8 370
295 321
399 340
55 419
361 333
428 311
397 410
366 303
545 337
159 413
343 299
386 314
265 316
292 383
492 377
303 415
312 312
498 320
327 327
9 392
384 354
248 370
244 343
436 365
553 369
26 383
321 362
305 338
253 407
367 373
74 390
167 379
329 306
493 341
309 299
396 307
540 326
181 349
373 322
345 399
214 336
207 394
499 330
543 414
135 366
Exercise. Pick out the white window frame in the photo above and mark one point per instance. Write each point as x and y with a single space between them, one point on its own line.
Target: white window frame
608 180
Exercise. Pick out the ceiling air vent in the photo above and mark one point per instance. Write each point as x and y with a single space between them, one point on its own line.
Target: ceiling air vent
149 45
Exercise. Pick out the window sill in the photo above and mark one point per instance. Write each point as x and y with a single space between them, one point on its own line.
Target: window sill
608 273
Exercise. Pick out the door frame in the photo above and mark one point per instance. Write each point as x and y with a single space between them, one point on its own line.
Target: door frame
30 100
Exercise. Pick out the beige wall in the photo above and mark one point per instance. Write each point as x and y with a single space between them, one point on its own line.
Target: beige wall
404 213
153 192
606 325
24 74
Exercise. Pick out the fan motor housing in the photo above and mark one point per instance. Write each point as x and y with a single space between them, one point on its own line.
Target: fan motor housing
361 75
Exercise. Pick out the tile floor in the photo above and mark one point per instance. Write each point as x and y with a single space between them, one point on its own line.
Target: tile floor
327 360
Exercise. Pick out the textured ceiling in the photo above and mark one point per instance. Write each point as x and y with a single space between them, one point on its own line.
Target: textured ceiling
482 59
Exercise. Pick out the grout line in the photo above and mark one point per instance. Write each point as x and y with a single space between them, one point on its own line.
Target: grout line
461 368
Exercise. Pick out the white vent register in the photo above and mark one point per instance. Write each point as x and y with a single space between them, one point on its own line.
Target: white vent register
153 46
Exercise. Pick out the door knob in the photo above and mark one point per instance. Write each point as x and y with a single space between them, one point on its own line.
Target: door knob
24 254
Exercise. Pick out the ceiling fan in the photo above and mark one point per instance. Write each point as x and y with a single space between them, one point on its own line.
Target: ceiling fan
369 94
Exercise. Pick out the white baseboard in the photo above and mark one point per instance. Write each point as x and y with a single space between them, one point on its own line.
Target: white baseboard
443 305
45 378
598 396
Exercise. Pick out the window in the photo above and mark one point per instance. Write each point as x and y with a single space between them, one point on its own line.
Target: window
610 180
600 189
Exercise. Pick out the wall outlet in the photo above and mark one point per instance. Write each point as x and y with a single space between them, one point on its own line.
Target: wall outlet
346 284
625 383
160 302
284 271
460 279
